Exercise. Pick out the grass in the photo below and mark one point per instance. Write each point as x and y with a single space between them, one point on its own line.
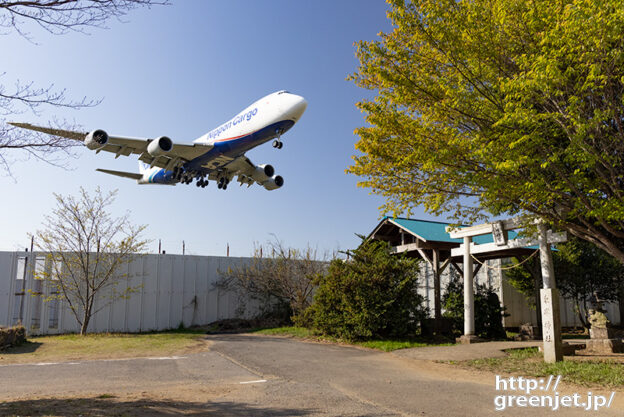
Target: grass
103 346
387 345
529 362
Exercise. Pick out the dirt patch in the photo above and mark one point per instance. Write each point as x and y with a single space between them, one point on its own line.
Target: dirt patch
173 401
50 350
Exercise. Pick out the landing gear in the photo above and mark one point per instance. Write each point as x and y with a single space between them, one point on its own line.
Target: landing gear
277 143
202 182
223 183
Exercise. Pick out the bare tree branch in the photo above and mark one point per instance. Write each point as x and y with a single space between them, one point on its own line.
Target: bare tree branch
57 17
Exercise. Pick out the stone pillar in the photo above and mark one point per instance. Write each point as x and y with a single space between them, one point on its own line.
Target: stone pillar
551 325
469 323
549 296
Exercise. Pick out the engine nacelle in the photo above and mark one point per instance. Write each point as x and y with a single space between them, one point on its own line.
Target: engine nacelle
160 146
263 173
96 139
273 183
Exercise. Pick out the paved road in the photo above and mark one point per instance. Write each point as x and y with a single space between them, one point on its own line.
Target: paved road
271 376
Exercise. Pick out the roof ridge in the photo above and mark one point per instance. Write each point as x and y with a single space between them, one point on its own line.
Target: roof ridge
418 220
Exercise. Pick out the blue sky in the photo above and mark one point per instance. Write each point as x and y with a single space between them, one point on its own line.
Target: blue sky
181 70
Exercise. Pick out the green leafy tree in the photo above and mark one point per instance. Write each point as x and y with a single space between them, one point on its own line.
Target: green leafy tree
87 249
499 107
583 270
373 294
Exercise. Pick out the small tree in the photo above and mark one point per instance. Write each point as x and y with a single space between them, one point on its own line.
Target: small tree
281 279
488 310
86 248
374 294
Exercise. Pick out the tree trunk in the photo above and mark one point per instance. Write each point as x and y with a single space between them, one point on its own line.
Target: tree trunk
85 321
581 316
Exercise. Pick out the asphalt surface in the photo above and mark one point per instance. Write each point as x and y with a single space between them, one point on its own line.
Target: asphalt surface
273 376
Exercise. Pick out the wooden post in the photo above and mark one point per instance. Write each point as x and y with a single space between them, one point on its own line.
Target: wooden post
437 307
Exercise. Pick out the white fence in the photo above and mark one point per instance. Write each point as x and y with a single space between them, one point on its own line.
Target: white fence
176 289
173 290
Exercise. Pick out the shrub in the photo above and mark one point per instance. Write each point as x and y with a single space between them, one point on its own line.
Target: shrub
12 336
488 310
372 295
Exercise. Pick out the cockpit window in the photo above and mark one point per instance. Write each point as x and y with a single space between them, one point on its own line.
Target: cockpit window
283 91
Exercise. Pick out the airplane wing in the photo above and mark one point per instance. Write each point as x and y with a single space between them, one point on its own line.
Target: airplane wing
120 145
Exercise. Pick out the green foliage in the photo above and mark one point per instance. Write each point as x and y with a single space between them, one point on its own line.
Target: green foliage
372 295
501 107
583 270
522 278
530 362
488 310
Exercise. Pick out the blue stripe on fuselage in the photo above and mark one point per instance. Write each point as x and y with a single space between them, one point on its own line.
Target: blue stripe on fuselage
236 147
232 148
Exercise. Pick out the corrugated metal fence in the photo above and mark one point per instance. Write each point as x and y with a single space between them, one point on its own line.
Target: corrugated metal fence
177 289
173 290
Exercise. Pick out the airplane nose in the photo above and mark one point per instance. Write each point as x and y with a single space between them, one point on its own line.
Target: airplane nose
296 106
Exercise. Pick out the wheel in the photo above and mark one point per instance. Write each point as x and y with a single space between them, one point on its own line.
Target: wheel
276 143
219 185
225 186
280 145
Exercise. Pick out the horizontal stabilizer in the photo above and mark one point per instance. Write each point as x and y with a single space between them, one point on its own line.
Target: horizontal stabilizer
121 173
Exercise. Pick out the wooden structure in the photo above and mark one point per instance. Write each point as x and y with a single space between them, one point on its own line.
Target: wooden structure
430 241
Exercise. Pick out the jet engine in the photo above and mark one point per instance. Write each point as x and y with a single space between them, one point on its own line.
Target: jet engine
273 183
262 173
160 146
96 139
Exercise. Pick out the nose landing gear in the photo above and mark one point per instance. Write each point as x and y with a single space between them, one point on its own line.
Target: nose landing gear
277 143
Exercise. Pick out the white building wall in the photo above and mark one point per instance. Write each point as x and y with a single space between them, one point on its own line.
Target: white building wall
171 290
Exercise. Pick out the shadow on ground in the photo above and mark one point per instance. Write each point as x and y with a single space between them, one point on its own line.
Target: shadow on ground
27 347
111 406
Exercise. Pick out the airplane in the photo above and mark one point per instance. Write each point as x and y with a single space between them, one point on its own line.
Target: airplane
218 155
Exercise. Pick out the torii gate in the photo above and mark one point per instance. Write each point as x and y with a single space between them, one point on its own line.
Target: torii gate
551 322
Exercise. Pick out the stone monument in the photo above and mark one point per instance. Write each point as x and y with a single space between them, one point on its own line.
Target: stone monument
602 335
